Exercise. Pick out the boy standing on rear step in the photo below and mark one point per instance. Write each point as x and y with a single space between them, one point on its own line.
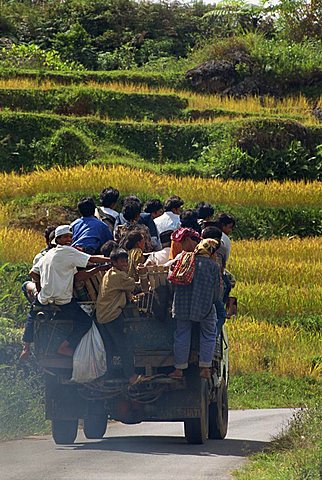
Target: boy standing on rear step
115 291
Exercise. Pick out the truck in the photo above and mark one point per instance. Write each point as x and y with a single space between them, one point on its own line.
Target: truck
202 404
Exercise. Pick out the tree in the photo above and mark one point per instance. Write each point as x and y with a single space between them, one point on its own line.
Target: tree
233 17
75 45
299 19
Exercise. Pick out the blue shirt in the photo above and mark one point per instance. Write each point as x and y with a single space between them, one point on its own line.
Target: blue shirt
89 232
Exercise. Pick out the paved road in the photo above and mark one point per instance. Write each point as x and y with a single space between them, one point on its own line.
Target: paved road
146 451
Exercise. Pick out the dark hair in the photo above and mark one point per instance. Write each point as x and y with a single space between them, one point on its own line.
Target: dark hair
118 253
195 238
226 219
86 207
131 210
47 233
132 238
173 202
51 238
108 247
165 237
153 205
131 199
109 196
205 210
189 219
212 232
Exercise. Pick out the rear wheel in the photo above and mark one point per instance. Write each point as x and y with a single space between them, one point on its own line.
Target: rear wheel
196 429
95 426
218 413
64 432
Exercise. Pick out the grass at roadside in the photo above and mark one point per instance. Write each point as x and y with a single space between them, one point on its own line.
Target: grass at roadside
294 455
21 404
268 390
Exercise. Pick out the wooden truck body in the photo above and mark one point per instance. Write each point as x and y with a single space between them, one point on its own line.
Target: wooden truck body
200 403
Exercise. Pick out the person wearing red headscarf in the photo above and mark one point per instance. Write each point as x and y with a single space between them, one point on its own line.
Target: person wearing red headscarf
183 239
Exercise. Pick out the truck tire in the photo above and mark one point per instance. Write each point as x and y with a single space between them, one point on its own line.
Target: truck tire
196 429
95 426
64 432
218 413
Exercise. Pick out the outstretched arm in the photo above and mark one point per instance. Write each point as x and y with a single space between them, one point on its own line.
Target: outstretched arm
98 259
84 275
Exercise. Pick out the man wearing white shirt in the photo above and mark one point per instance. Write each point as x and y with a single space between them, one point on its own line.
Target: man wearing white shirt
54 277
106 212
162 256
170 220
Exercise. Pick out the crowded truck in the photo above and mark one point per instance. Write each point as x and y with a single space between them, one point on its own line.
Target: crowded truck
127 317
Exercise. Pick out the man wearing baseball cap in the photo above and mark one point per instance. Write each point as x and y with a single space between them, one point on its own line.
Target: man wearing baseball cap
54 277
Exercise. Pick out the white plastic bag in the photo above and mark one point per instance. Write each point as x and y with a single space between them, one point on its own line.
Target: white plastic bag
89 360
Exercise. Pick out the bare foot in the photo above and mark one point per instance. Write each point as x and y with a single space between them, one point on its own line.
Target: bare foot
65 349
176 374
205 373
25 352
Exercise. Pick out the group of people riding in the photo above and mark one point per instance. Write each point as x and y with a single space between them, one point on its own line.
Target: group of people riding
193 244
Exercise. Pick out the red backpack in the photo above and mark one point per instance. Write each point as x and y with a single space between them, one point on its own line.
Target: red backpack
184 269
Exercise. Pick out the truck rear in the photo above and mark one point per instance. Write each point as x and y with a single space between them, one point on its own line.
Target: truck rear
200 403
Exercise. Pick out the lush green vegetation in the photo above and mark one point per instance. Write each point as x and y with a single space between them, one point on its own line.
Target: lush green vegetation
21 402
115 34
258 148
294 454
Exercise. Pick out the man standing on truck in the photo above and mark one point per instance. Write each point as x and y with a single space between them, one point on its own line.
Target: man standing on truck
54 276
194 302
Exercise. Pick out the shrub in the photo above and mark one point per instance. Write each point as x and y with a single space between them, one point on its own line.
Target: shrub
281 65
288 60
123 58
21 403
17 133
266 149
75 46
162 142
13 304
66 147
266 222
293 162
32 56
